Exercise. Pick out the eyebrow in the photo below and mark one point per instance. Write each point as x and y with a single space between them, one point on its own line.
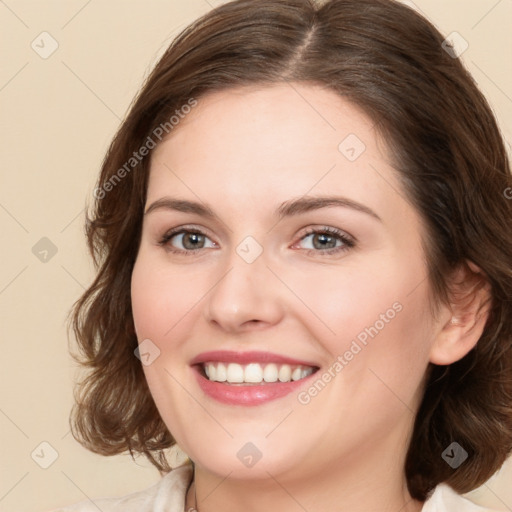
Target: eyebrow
287 209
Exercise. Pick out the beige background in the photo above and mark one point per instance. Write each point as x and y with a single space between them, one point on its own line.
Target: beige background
58 116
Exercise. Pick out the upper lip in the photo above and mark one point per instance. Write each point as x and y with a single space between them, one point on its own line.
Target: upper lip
228 356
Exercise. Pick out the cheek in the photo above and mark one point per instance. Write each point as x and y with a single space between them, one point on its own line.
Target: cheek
376 322
161 304
347 302
379 355
161 299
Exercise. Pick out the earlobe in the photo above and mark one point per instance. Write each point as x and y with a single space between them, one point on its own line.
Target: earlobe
463 322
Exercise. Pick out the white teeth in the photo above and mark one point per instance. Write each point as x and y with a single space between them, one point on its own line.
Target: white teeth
305 372
235 373
296 374
255 373
270 373
222 374
212 371
285 373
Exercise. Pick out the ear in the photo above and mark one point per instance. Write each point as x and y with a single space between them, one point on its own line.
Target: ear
463 322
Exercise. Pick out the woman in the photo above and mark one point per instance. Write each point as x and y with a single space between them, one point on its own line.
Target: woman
301 232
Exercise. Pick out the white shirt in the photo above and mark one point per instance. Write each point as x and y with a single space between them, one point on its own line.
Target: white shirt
168 495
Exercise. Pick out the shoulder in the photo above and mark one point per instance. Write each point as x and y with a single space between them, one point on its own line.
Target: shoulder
168 495
445 499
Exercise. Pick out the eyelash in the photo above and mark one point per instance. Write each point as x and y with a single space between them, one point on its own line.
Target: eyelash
348 242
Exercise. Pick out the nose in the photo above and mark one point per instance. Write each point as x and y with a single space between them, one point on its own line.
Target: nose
246 296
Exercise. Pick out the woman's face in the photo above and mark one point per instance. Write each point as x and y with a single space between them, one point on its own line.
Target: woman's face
309 259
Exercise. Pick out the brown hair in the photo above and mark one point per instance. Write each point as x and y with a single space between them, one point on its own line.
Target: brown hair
388 60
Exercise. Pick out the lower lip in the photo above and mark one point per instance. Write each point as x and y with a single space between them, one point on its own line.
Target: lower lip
253 394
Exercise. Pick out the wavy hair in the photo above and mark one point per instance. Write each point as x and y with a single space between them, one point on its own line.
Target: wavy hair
387 59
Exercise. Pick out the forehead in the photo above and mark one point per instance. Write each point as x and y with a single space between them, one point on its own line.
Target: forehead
284 113
255 145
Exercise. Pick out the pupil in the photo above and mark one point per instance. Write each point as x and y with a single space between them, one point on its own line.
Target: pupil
325 238
192 237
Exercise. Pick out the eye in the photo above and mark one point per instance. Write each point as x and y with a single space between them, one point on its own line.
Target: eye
185 240
326 240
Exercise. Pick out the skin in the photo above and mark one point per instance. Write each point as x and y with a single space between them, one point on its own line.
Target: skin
243 153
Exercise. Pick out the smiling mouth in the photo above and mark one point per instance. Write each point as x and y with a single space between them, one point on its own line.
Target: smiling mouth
254 373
